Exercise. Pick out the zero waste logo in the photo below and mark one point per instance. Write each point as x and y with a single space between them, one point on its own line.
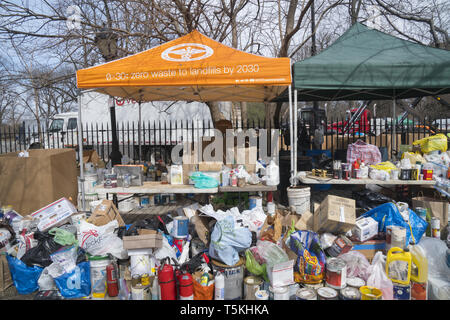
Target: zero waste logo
187 52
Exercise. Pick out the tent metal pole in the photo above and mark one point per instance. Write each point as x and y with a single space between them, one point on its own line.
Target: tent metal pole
139 134
394 124
295 135
291 130
80 150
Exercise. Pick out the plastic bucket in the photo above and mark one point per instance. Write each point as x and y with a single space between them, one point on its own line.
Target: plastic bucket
98 275
140 262
90 181
370 293
299 197
126 202
234 278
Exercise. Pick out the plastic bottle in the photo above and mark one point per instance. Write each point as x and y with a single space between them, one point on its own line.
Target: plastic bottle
155 289
419 273
398 265
219 288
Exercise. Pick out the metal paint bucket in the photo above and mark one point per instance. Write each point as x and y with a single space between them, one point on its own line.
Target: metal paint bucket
327 293
234 278
350 293
306 294
336 273
180 227
355 282
370 293
251 285
402 291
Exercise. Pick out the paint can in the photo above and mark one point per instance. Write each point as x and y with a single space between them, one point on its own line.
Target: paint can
251 285
234 278
281 293
254 202
180 227
98 275
261 295
293 288
327 293
370 293
306 294
427 174
419 291
110 180
395 237
435 228
421 212
355 282
314 286
336 273
350 293
401 291
340 245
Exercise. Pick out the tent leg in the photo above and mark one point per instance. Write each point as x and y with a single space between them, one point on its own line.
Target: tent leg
139 134
80 150
291 130
394 124
295 135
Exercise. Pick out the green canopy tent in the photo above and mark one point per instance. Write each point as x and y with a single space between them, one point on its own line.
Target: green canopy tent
366 64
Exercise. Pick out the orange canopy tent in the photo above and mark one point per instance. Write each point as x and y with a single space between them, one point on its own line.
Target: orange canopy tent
193 68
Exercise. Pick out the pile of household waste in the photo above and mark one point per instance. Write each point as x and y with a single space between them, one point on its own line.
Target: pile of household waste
202 252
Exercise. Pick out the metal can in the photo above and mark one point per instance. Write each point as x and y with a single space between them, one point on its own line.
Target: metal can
435 227
395 237
336 273
421 212
110 181
306 294
402 291
340 246
419 291
261 295
355 282
327 293
350 293
251 285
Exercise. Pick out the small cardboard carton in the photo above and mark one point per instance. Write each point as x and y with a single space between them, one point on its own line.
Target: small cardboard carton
55 214
336 215
365 229
369 248
210 166
104 213
142 241
306 221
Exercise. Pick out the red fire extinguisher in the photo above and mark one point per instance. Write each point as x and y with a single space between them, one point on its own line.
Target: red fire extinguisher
166 278
186 290
111 280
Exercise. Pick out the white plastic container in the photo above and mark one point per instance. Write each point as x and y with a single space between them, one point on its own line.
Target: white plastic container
272 174
219 287
299 197
140 261
98 276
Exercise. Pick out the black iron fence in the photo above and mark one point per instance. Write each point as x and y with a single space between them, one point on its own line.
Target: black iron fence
154 140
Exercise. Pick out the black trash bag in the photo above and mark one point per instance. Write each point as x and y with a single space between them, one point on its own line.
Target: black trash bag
195 262
81 255
5 225
368 200
40 255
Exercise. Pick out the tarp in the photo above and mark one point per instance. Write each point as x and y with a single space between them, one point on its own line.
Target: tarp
193 68
366 64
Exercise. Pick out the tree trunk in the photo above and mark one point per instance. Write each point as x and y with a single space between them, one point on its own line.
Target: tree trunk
216 114
244 113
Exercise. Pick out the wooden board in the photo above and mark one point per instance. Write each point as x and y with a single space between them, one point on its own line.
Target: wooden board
150 187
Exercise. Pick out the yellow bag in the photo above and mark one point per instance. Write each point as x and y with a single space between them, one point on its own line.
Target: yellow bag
385 166
414 157
432 143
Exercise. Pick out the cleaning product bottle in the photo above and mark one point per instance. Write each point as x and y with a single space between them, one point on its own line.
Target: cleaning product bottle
219 288
398 265
419 273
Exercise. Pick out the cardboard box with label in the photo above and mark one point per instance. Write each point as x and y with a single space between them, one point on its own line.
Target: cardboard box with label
55 214
143 241
365 229
336 215
104 213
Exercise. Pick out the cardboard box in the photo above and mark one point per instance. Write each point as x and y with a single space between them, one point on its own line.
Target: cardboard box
104 213
135 171
336 215
5 276
28 184
93 157
56 213
142 241
369 248
365 229
306 221
210 166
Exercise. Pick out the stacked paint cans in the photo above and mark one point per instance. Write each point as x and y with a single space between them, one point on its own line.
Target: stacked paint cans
306 294
336 273
252 285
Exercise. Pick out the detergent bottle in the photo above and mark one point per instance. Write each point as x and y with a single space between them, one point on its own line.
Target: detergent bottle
419 273
398 265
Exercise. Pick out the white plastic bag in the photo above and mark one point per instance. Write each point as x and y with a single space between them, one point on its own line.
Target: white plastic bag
357 265
46 281
378 277
66 258
99 241
165 251
326 240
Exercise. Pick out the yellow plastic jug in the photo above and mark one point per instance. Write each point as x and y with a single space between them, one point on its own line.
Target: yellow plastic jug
419 266
398 265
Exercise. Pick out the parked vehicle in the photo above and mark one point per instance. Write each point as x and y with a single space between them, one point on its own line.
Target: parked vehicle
361 125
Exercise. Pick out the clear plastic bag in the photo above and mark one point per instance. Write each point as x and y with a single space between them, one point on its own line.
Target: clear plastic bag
378 278
357 265
254 267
